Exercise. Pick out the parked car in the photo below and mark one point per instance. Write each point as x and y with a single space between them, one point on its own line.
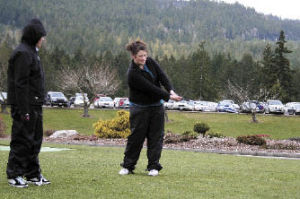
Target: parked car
205 106
183 105
292 108
274 106
125 103
227 106
55 98
79 100
246 107
119 102
104 102
98 96
3 97
71 100
169 104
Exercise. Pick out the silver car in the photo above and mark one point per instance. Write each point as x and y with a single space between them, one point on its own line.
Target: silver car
274 106
292 108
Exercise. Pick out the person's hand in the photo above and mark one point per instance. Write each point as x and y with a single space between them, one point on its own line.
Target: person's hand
175 97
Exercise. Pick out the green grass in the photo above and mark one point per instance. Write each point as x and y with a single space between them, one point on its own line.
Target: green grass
277 126
92 172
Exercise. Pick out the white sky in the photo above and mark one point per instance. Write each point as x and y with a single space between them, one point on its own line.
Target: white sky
286 9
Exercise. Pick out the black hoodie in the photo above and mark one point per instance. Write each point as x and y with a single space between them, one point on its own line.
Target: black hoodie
25 73
145 89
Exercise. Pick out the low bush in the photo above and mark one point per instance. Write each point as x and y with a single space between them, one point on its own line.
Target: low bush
49 132
2 128
217 135
201 128
175 138
297 139
114 128
282 146
251 140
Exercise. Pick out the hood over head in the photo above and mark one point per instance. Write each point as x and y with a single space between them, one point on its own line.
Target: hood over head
33 32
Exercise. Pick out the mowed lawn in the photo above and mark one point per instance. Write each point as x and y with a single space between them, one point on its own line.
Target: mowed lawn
277 126
92 172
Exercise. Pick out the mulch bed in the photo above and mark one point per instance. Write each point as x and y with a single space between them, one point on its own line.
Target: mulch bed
227 145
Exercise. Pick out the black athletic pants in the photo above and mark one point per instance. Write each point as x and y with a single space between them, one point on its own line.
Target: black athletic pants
25 145
145 122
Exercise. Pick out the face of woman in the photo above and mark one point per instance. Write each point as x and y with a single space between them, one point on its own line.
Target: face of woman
140 58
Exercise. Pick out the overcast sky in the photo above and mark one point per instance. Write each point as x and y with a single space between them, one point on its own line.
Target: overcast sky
286 9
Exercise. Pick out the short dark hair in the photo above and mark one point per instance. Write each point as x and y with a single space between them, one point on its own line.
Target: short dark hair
136 46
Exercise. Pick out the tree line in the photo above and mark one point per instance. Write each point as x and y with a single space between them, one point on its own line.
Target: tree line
199 75
170 27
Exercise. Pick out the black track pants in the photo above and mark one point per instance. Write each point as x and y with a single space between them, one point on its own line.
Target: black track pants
25 145
145 122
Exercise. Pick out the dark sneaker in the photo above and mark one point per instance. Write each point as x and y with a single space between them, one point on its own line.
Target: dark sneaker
18 182
38 181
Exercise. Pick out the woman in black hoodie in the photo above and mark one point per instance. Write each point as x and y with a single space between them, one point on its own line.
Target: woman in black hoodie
145 78
26 97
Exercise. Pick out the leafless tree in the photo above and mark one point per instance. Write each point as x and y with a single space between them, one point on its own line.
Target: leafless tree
3 84
243 95
91 79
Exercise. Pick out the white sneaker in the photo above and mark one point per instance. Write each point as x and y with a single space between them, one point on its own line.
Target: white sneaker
153 172
124 171
18 182
38 181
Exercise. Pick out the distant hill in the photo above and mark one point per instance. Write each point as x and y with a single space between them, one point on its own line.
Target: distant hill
169 26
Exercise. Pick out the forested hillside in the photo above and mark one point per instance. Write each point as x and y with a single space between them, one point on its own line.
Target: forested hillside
208 49
169 26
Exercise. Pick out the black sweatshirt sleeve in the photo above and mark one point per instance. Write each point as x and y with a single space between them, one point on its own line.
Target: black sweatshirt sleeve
140 83
22 72
162 76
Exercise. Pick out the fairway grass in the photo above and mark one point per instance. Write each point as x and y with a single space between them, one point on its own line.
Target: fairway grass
92 172
232 125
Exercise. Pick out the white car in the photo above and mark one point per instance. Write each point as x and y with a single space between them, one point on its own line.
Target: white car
184 105
169 104
205 106
274 106
119 101
292 108
104 102
79 101
228 106
3 96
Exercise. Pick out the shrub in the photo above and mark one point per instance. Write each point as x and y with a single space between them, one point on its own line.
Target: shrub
251 140
217 135
2 128
114 128
188 135
282 146
49 132
297 139
175 138
201 128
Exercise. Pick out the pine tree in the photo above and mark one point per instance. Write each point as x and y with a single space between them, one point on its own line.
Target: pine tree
282 65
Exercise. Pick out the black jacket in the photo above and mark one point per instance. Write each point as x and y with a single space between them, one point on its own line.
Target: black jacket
25 73
145 89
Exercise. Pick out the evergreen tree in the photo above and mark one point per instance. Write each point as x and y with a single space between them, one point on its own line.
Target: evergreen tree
282 65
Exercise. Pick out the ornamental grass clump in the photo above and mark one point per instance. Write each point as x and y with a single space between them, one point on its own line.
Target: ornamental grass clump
201 128
114 128
251 140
